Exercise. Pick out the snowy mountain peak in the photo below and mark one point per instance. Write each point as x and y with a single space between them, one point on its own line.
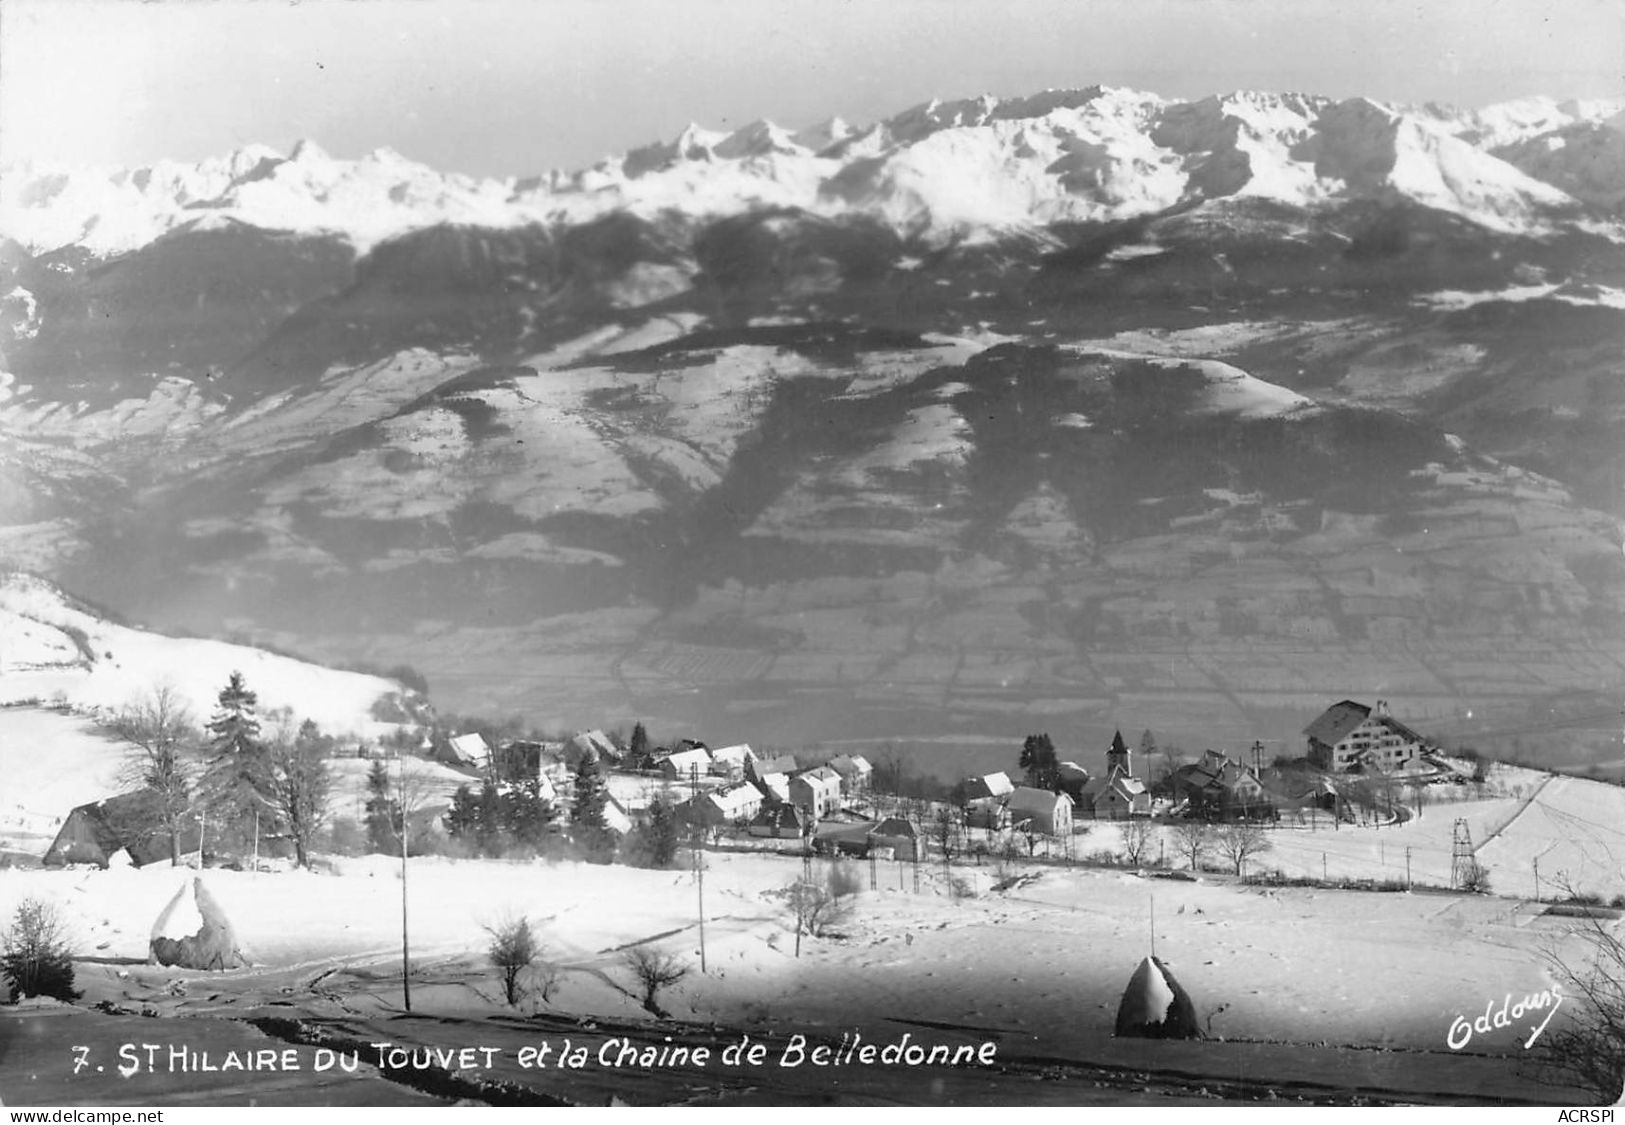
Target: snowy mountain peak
308 152
946 170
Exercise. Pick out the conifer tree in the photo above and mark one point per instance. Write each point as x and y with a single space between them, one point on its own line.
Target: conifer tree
638 749
1038 761
239 779
663 832
589 826
383 812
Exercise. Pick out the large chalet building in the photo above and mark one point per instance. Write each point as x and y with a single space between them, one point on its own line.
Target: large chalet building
1351 736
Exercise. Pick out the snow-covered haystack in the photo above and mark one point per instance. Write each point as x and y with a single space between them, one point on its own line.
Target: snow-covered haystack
1154 1006
193 932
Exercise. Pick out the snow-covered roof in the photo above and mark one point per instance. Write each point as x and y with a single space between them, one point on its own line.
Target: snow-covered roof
733 755
989 785
736 800
685 762
1027 800
776 785
470 749
822 777
851 765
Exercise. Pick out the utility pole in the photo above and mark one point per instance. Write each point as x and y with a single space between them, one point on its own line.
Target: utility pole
406 952
1537 878
699 861
1407 868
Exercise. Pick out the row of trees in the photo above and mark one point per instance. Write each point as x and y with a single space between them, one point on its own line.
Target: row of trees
234 780
501 819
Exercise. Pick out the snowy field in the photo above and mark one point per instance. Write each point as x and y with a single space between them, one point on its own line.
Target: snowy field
53 761
53 651
1031 955
1043 961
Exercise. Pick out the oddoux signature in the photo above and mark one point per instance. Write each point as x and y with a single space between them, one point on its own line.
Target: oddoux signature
1548 1001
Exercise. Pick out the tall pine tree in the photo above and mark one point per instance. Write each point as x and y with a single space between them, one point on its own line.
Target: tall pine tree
238 781
637 751
589 828
1038 761
383 812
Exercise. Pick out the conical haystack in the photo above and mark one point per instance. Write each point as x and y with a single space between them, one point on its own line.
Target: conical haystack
1154 1006
212 946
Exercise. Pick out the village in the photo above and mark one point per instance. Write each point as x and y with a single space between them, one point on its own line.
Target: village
1360 764
822 893
602 798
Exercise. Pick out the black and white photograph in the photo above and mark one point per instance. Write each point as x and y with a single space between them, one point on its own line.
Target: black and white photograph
732 553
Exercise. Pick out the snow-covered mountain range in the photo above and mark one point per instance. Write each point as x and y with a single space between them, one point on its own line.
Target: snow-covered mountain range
944 170
1080 401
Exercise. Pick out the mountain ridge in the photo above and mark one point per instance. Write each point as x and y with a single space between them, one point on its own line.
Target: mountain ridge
1093 153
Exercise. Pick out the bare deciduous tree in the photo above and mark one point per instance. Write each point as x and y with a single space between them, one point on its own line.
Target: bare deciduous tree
653 972
161 734
1586 1049
512 950
1192 838
301 783
1241 840
1138 836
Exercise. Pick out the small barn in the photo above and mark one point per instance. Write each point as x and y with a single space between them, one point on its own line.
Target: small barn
130 822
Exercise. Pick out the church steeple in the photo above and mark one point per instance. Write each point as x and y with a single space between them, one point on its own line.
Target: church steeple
1117 758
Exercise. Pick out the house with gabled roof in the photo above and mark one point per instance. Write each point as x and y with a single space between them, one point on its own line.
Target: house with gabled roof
686 765
1217 788
988 785
729 806
730 761
855 770
519 759
780 822
984 799
818 791
900 836
1351 736
774 787
1039 811
778 763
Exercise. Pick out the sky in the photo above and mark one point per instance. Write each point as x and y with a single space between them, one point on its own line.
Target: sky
514 87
